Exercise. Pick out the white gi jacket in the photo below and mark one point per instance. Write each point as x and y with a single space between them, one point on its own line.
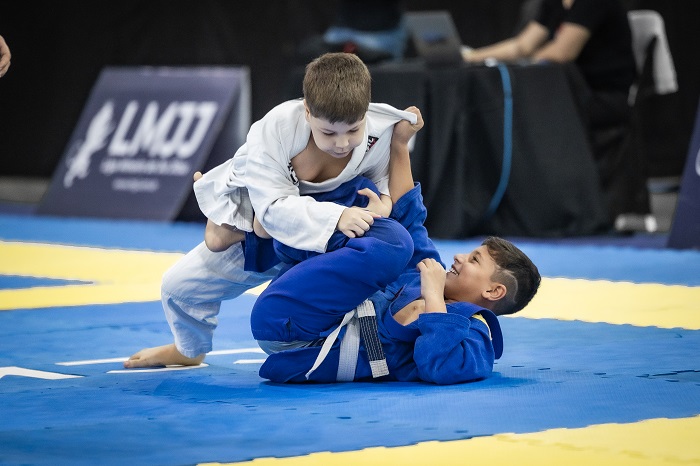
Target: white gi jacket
259 178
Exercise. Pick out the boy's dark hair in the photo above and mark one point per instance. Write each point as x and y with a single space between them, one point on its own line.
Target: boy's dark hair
338 88
516 271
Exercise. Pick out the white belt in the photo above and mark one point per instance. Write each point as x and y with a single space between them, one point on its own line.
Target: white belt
361 320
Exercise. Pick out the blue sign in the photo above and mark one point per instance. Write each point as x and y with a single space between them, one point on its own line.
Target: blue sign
685 232
141 136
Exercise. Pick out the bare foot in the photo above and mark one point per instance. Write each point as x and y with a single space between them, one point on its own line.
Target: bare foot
166 355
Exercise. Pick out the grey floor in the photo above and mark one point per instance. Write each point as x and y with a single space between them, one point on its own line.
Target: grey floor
22 189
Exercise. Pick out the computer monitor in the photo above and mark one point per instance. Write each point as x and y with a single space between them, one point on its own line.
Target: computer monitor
434 37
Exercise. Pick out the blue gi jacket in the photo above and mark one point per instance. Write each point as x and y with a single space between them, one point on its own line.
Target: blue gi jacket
439 348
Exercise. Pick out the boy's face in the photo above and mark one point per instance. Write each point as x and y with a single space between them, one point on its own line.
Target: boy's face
469 278
336 139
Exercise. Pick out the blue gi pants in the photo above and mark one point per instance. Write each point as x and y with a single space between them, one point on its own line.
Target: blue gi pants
310 299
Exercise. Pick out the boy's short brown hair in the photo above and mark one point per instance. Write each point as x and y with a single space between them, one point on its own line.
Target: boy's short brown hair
337 88
515 270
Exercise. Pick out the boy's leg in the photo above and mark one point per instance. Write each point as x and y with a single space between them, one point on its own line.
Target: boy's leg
219 238
313 296
346 194
191 293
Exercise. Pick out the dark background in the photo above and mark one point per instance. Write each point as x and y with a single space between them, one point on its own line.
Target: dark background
59 48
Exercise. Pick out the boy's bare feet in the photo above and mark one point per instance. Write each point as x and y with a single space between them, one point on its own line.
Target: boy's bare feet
166 355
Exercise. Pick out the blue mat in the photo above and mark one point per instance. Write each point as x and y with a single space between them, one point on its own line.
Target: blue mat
553 373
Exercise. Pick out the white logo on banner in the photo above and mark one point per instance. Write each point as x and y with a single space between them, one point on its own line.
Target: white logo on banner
697 163
95 139
153 145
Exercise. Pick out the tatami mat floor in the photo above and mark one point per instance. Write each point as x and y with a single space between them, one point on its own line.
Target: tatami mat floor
601 368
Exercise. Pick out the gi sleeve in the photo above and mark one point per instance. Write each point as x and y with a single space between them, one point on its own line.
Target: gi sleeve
378 173
297 221
381 119
222 196
410 211
452 349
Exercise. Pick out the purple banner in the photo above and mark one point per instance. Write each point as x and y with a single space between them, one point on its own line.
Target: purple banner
141 136
685 232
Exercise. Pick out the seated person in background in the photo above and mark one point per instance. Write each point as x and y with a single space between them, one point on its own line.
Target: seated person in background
596 36
432 325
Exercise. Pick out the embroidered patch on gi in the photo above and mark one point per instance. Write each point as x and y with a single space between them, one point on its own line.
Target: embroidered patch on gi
292 174
371 140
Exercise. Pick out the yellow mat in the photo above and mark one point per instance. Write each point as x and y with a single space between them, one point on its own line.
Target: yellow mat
117 276
652 442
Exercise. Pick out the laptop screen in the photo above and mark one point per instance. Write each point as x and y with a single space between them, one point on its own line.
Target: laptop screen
434 36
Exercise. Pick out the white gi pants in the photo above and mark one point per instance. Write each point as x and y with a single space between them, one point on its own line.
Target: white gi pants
193 288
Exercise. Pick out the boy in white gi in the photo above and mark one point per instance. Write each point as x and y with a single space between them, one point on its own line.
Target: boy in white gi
299 148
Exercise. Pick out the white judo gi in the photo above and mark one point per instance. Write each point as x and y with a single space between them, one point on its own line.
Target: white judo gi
259 178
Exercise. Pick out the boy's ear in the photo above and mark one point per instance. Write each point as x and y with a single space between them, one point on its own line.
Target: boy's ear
307 112
496 292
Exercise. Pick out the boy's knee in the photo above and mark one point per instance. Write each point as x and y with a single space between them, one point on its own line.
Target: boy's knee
393 234
171 282
219 238
391 243
181 277
401 247
218 243
215 244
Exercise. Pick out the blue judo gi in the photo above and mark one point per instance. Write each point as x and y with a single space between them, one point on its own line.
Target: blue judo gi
308 301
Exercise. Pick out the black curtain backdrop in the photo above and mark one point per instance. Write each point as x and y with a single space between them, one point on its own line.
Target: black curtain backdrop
59 49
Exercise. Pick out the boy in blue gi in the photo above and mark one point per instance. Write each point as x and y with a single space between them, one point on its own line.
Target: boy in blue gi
433 326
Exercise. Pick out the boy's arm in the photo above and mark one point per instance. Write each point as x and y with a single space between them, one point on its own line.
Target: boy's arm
380 205
297 221
432 285
399 141
400 174
452 349
432 290
300 221
408 203
521 46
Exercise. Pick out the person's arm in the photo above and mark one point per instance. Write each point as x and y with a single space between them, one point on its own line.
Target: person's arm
524 45
409 209
399 156
5 56
400 174
566 47
432 290
452 349
379 205
295 220
432 285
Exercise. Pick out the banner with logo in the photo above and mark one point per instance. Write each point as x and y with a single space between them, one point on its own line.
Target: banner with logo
141 136
685 232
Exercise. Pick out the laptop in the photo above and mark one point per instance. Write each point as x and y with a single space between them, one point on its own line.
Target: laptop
434 37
